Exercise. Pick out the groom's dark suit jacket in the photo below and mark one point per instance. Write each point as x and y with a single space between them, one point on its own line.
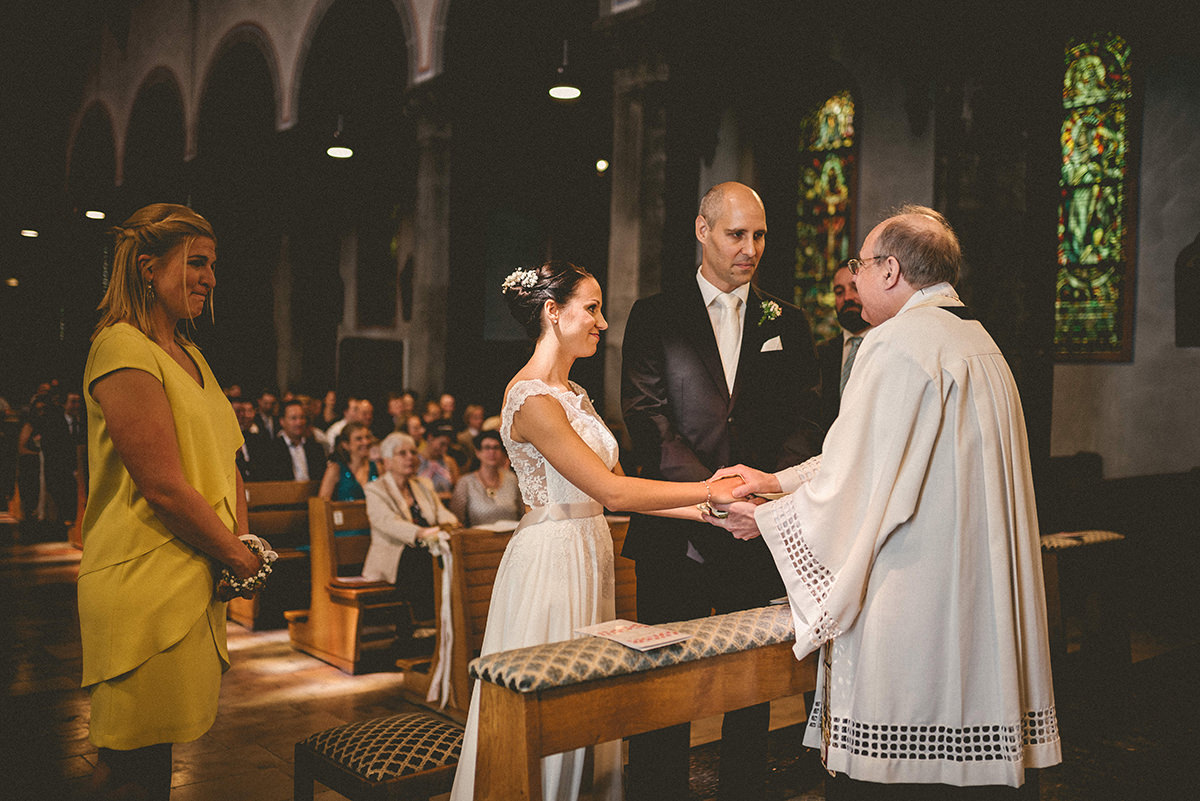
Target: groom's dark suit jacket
829 356
684 424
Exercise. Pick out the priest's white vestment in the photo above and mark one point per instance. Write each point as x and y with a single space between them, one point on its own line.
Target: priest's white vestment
910 553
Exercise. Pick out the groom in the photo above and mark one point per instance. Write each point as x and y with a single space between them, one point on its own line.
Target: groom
717 374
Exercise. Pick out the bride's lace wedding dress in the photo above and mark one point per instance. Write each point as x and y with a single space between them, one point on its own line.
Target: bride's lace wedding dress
556 576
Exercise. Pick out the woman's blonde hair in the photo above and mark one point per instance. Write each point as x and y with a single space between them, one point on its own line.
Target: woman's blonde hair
153 230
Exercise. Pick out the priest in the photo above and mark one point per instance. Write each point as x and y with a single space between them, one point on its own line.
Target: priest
909 547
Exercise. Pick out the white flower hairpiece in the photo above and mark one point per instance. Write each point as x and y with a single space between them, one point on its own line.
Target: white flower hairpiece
523 278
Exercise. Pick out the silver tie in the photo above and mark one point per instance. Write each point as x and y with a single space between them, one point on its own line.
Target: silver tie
854 343
729 338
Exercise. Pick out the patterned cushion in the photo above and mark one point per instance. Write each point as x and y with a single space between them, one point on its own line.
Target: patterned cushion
387 748
558 664
1073 539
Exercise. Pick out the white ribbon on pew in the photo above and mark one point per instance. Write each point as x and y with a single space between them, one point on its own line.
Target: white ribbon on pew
440 688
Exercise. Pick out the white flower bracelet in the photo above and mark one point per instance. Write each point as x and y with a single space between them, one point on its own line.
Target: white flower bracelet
254 583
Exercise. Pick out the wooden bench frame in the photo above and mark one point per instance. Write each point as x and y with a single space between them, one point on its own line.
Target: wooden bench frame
278 512
348 619
517 729
475 557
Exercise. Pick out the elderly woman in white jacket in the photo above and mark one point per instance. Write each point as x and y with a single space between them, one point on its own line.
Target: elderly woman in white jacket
405 512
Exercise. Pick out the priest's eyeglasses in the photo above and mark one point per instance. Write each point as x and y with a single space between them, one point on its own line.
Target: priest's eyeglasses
857 264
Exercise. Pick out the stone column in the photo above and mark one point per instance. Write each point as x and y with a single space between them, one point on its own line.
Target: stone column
637 211
425 348
288 348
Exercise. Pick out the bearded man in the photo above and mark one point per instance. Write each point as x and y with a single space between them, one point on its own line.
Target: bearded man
836 354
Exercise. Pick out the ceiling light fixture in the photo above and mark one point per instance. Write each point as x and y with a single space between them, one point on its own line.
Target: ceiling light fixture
94 214
338 149
563 87
29 232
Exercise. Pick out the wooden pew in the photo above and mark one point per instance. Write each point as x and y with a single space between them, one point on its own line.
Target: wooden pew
349 620
278 512
475 556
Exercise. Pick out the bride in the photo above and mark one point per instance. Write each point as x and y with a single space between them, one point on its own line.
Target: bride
557 572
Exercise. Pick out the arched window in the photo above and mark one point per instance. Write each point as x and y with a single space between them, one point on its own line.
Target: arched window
825 191
1094 302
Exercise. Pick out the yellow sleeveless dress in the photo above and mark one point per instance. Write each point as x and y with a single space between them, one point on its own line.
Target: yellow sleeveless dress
153 631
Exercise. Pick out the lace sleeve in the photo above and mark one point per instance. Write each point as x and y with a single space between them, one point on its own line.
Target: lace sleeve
521 392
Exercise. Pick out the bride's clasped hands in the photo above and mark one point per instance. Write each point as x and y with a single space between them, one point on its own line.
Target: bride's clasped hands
735 493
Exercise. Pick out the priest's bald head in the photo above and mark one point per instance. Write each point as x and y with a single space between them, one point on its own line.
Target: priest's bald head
909 251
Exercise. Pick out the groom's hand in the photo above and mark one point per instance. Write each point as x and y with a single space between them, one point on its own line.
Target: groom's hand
753 481
739 520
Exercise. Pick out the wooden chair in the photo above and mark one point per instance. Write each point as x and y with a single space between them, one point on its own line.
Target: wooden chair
278 512
349 620
407 756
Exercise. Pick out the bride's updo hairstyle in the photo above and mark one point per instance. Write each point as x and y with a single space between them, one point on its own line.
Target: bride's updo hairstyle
527 291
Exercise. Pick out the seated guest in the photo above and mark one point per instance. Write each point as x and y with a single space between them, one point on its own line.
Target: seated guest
414 426
432 414
313 408
366 412
473 417
399 407
249 456
294 455
489 494
328 415
350 467
265 415
437 464
404 512
350 415
447 403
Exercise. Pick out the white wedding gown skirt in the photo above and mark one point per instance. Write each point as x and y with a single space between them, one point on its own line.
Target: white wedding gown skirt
555 576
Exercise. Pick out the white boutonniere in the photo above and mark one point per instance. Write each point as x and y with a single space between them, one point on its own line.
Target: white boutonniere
770 310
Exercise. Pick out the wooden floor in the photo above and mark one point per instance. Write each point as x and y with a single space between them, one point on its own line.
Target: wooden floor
274 696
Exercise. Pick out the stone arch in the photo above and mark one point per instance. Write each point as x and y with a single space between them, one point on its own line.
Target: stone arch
95 116
412 38
155 135
242 33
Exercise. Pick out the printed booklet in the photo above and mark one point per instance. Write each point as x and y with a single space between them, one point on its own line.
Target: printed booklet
634 635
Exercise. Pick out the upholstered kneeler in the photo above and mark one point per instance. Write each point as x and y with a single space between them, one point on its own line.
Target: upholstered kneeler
401 757
584 659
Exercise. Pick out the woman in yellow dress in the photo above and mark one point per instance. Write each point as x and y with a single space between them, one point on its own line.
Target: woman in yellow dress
165 507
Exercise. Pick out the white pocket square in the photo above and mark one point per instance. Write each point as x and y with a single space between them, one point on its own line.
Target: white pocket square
774 343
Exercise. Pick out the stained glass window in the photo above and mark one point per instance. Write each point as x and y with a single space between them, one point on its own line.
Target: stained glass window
1093 308
824 204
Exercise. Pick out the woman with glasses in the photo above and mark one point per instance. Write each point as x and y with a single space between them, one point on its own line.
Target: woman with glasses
489 494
